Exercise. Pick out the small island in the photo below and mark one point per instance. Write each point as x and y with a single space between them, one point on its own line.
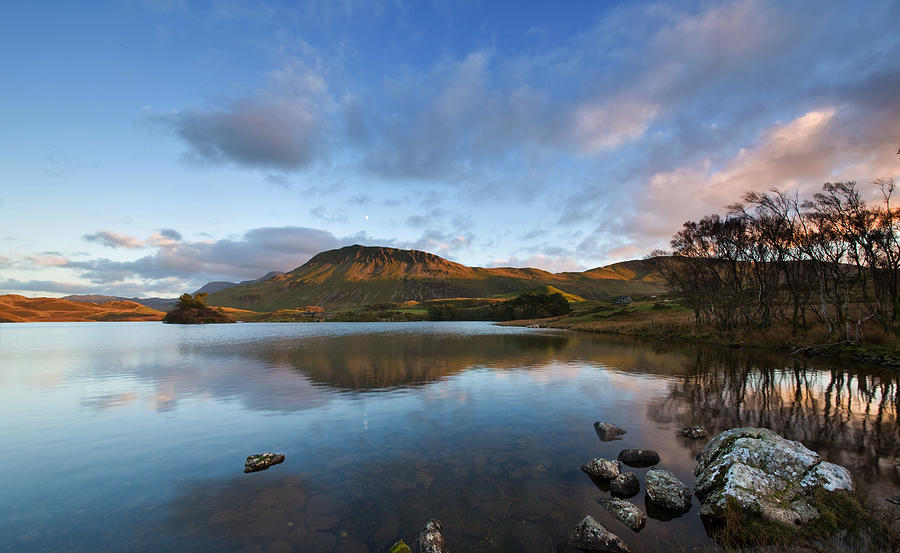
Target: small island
193 310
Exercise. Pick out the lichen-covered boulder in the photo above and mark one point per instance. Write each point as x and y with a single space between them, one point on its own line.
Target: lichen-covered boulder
764 474
602 469
625 485
639 457
590 535
627 512
607 431
666 491
431 540
262 461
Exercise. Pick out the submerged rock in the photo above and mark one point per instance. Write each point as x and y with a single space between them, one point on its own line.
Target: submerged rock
590 535
627 512
762 473
666 491
639 457
431 540
693 432
625 485
607 431
262 461
602 469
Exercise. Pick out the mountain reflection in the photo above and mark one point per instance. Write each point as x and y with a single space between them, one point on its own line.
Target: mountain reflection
377 361
847 414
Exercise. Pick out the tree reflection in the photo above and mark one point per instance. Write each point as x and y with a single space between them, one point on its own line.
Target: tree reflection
847 414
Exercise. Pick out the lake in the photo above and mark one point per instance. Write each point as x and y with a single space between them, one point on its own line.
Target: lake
132 436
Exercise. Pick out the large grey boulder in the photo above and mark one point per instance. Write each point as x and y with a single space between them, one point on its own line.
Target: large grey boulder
590 535
627 512
762 473
666 491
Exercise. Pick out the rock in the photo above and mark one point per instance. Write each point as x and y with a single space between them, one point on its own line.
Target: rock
627 512
590 535
639 457
608 431
762 473
431 540
601 469
693 432
665 490
399 547
625 485
255 463
893 499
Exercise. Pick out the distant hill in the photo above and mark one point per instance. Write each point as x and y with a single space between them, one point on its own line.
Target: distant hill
359 275
166 304
19 309
159 304
218 286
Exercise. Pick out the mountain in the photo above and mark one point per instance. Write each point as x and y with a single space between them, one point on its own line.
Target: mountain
166 304
359 275
159 304
218 286
18 309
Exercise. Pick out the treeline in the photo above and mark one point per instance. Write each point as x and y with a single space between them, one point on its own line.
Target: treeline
773 258
528 305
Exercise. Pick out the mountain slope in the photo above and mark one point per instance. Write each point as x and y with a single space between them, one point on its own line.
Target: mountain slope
219 285
17 309
360 275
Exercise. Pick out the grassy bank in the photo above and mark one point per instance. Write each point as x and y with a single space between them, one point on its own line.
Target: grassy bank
667 320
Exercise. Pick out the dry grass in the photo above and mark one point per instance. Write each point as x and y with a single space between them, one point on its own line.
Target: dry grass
19 309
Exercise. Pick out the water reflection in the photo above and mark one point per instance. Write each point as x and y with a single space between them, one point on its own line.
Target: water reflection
846 413
384 426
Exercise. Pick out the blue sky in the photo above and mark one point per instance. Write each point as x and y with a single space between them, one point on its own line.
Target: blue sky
150 147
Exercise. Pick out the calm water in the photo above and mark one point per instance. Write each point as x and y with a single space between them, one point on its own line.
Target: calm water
132 436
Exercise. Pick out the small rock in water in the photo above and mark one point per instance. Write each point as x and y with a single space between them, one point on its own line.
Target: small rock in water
602 469
400 547
590 535
639 457
665 490
255 463
431 540
694 432
627 512
607 431
625 485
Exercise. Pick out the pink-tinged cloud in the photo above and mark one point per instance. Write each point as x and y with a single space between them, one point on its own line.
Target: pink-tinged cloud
112 239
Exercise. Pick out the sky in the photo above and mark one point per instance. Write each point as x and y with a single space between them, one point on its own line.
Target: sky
148 147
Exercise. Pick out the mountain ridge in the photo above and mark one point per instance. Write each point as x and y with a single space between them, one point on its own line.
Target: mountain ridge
358 275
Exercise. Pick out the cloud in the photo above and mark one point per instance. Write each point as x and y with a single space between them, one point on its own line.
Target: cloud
552 264
46 286
251 255
112 239
283 126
